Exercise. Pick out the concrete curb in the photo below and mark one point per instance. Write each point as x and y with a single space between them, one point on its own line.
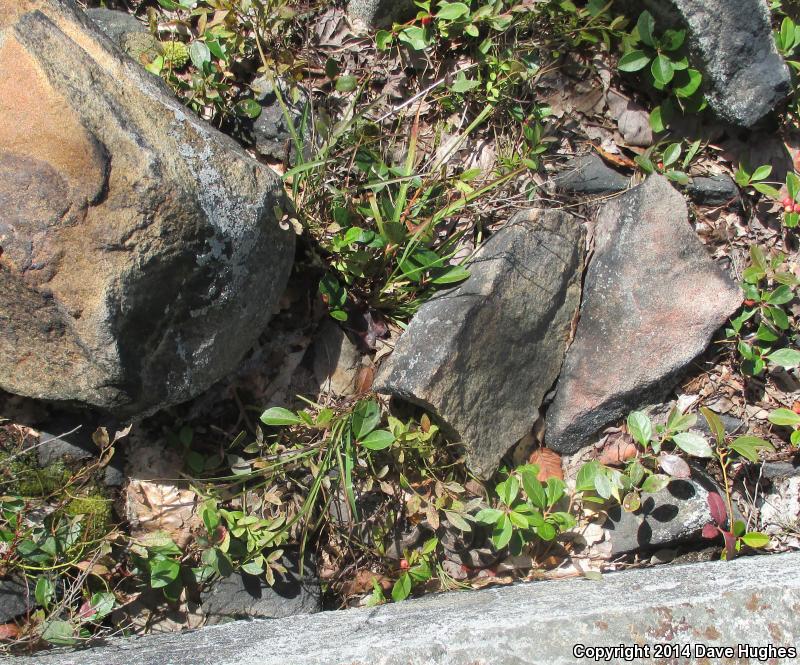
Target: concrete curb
750 601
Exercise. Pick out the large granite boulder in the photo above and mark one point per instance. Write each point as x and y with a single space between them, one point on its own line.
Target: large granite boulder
744 77
481 356
652 300
142 251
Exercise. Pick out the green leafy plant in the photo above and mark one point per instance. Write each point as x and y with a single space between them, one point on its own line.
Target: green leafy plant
733 531
764 331
665 66
667 160
520 517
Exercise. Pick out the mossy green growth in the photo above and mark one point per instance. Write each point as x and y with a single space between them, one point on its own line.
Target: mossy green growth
31 481
176 55
95 511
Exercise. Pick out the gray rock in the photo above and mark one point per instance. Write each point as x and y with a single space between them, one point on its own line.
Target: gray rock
712 191
15 599
674 515
372 14
336 359
744 77
652 301
142 249
243 596
481 356
750 600
779 505
114 23
77 447
130 34
270 133
588 174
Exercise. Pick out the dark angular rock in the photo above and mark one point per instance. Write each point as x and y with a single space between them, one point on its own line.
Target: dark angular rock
481 356
712 191
588 174
243 596
15 599
652 300
674 515
744 77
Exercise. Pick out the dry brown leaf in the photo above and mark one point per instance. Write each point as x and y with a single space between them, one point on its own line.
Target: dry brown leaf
8 631
617 452
549 463
362 583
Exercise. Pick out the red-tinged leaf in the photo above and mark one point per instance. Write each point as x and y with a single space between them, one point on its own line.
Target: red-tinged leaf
86 609
675 466
730 545
717 507
8 631
710 531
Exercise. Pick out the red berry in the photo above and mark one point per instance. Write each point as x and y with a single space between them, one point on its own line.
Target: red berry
403 564
787 201
661 165
797 207
426 20
788 208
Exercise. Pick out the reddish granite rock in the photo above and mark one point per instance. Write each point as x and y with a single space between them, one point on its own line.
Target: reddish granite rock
653 299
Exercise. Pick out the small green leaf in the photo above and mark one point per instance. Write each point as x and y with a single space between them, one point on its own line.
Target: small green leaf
584 481
749 447
452 11
662 70
502 533
656 120
248 108
163 572
786 358
672 154
402 588
655 483
640 427
458 521
44 591
365 418
533 488
693 444
755 539
451 276
278 416
378 440
489 516
783 417
59 632
762 172
633 61
346 83
602 485
645 26
508 490
546 531
714 423
780 296
383 40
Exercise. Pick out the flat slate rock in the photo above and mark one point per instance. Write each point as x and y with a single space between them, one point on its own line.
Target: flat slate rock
730 41
588 174
243 596
671 516
480 357
714 190
653 299
15 599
